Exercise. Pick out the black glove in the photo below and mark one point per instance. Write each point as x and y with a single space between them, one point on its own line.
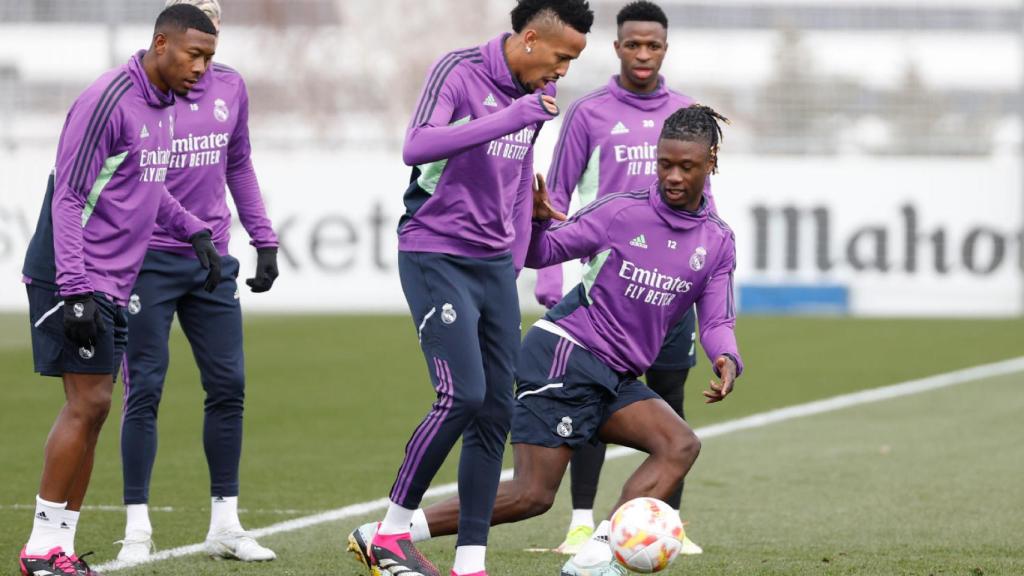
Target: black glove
209 258
266 270
82 320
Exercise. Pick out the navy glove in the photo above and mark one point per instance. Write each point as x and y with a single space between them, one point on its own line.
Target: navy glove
82 319
266 270
209 258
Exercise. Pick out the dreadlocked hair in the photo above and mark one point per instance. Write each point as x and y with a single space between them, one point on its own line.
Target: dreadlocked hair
696 123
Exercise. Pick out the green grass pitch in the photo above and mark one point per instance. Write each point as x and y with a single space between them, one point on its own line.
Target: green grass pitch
926 484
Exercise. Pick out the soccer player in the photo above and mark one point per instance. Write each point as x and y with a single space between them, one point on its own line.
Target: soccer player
98 215
607 145
210 150
470 142
578 368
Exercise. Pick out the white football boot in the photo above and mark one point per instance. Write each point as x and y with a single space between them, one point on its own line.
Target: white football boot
237 545
135 550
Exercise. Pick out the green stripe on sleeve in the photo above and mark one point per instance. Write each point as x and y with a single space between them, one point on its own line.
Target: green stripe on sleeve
590 179
110 165
430 173
593 268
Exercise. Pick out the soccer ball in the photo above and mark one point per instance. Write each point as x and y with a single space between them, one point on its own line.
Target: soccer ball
646 535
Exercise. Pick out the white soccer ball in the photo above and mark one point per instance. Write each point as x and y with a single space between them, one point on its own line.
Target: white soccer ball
646 535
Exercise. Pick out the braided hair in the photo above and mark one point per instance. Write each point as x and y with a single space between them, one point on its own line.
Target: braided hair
696 123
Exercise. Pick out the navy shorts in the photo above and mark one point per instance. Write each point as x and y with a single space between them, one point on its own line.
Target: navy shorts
679 351
54 355
564 394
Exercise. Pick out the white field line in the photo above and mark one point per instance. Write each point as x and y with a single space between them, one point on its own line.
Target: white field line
908 388
119 508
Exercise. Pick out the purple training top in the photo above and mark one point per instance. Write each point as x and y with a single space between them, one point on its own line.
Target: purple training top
608 144
651 263
471 144
210 150
109 187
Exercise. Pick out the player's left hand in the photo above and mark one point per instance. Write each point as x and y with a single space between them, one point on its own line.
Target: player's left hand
726 369
266 270
542 209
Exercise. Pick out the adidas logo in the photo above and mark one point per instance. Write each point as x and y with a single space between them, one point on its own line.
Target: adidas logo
42 516
639 242
64 526
145 132
490 101
620 128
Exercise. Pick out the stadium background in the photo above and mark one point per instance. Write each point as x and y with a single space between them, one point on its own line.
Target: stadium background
872 175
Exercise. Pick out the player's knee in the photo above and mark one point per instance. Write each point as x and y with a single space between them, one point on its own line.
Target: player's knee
469 402
145 398
497 413
92 407
228 383
534 501
686 448
226 395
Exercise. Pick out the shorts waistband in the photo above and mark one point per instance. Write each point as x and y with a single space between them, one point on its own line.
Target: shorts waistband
549 326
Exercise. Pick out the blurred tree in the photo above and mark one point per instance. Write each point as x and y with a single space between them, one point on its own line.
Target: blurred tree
390 45
794 104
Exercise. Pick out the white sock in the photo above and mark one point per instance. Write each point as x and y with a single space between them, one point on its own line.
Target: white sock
469 559
224 514
46 532
137 526
582 518
396 520
68 527
596 550
419 528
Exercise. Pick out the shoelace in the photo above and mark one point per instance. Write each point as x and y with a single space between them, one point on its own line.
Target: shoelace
81 560
63 563
424 563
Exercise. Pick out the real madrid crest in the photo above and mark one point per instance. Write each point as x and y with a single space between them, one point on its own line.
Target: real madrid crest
448 315
134 304
564 428
220 110
700 256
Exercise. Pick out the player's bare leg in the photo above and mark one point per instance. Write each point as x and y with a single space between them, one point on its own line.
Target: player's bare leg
531 492
67 467
72 440
650 426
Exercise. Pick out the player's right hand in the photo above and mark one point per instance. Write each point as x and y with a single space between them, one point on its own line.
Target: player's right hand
542 209
534 108
549 104
82 319
209 258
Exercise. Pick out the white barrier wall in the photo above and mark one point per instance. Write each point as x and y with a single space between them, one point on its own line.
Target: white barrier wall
904 236
898 236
